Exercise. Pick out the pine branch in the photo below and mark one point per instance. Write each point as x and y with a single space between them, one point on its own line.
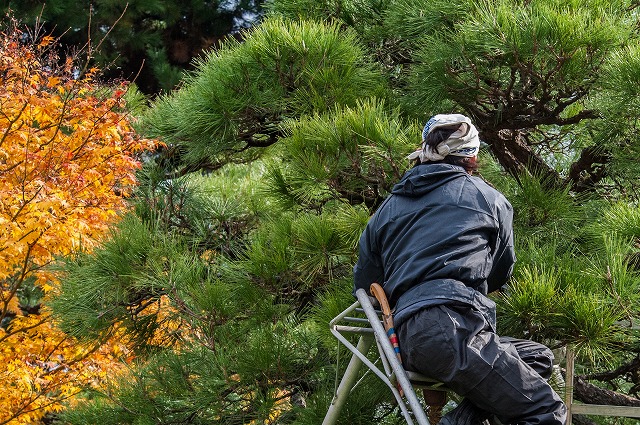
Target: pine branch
515 155
632 367
589 169
592 394
615 294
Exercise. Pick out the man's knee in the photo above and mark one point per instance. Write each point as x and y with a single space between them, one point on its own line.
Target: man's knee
536 355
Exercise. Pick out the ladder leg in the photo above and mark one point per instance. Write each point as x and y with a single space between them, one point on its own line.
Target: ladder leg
348 381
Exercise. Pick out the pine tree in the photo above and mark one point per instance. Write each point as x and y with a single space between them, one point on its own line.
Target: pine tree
224 282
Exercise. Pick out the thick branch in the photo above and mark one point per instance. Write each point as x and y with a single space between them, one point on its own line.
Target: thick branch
505 133
591 394
191 168
589 169
171 158
508 111
524 119
514 154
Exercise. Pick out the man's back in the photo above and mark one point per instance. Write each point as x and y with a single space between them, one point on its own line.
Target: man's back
439 223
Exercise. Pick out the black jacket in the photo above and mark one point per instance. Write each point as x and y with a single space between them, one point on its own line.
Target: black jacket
442 236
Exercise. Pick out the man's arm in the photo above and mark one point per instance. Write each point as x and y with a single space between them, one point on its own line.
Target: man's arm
368 269
505 256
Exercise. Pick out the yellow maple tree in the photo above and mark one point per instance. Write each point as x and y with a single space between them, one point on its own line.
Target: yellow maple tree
67 164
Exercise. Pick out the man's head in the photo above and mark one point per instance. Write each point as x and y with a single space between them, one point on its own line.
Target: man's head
448 138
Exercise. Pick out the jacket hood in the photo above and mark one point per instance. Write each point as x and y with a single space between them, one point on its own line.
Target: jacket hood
425 178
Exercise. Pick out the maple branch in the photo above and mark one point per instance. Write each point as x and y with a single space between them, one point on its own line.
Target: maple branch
36 158
43 392
16 286
22 329
11 122
88 44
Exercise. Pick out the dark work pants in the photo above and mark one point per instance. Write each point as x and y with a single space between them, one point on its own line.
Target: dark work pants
504 376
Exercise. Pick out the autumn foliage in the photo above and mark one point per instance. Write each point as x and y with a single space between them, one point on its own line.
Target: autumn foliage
67 163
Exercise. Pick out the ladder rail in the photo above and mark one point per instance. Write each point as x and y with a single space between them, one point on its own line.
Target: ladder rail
391 357
392 373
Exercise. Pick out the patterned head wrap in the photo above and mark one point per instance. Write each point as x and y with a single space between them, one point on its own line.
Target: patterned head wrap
463 142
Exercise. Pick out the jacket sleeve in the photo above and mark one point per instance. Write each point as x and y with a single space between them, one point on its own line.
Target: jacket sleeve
505 256
368 269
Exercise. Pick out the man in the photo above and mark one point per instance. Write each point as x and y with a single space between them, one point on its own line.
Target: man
438 244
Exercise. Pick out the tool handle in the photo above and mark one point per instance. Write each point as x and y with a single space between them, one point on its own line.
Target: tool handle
387 320
381 296
387 317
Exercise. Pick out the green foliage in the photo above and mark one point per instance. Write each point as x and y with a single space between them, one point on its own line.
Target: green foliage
113 285
616 269
291 356
549 306
593 326
305 9
355 154
170 248
551 47
532 301
211 215
366 17
331 301
243 384
298 130
293 256
411 20
269 256
350 222
242 92
559 286
136 100
620 219
539 208
319 247
186 381
621 96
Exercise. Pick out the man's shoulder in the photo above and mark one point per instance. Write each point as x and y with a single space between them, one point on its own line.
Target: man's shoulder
486 187
494 199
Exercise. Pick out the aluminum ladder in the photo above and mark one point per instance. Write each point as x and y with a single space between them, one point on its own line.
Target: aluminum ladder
370 329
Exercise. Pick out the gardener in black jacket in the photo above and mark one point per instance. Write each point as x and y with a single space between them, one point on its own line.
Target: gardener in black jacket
439 244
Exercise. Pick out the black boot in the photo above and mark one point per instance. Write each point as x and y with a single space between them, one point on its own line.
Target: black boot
466 413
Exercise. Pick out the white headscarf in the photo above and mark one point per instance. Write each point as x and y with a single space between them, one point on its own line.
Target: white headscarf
463 142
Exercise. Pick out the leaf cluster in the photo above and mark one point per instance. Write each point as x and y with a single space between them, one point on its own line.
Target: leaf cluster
354 154
509 54
68 156
239 94
576 280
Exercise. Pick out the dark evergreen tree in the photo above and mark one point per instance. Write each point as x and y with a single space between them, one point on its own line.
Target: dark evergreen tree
151 41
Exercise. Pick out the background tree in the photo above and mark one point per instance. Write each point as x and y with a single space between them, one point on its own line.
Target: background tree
302 129
66 168
151 41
